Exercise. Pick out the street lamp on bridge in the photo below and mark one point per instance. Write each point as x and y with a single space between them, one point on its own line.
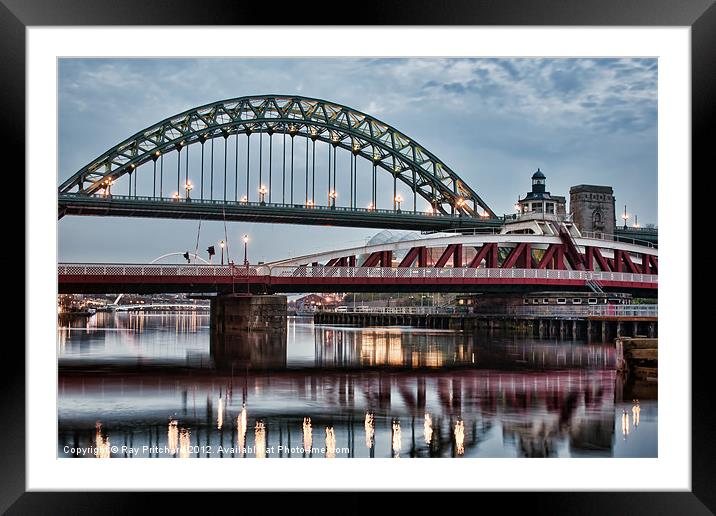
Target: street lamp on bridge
188 187
332 197
108 187
398 200
246 254
262 194
625 217
222 244
460 204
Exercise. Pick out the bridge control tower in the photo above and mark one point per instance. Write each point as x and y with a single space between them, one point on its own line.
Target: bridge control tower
540 212
539 201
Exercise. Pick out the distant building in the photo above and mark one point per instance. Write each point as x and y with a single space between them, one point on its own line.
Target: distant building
538 200
313 302
592 209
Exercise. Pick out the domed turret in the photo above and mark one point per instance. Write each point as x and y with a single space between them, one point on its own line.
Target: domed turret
539 200
538 182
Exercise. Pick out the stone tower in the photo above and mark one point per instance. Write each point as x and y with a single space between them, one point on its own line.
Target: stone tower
592 209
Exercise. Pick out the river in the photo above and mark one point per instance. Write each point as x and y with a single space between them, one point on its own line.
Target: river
159 385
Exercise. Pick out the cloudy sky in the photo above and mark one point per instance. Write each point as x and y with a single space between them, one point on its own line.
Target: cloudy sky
493 121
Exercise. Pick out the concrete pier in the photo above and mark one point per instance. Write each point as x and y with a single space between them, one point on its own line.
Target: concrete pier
234 314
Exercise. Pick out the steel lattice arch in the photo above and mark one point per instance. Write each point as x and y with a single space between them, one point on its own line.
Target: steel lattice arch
317 120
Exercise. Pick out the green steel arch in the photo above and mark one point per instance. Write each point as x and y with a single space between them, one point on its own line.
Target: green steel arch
317 119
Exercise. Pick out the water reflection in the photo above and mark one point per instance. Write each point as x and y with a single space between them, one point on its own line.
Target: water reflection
241 422
103 446
636 410
428 429
260 440
369 430
460 437
330 442
173 436
184 443
473 395
307 433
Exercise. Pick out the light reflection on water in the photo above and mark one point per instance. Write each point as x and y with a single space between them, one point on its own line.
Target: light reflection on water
157 385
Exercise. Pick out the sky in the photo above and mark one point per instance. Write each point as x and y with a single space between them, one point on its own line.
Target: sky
492 121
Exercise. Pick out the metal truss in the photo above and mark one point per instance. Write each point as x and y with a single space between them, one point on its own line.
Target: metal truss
319 120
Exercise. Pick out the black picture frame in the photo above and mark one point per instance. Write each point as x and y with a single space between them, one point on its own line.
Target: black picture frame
700 15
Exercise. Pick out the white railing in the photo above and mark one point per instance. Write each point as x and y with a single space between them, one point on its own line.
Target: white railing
586 311
116 269
323 272
599 235
398 310
455 273
160 306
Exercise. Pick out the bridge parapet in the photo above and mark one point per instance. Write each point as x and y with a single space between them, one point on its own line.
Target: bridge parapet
321 271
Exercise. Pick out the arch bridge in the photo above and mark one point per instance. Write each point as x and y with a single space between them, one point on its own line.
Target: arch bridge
205 163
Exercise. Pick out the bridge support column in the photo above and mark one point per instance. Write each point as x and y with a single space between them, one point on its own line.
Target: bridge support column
239 313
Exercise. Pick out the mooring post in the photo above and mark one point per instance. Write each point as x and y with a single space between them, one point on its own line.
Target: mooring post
620 354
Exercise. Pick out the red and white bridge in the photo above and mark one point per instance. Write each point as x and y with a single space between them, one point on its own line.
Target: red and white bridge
459 263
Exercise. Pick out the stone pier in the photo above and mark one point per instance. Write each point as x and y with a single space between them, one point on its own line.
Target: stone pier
234 314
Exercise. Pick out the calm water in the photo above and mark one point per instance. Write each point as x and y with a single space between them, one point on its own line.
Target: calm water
157 385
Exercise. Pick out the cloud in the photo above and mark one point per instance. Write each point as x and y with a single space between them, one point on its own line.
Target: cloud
493 121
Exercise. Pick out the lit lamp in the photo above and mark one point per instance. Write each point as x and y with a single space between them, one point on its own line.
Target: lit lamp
309 203
188 187
108 187
244 199
246 247
625 217
222 244
262 194
460 204
333 196
175 196
398 200
371 207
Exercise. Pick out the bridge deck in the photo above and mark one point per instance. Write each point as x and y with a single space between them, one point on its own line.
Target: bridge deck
156 207
102 278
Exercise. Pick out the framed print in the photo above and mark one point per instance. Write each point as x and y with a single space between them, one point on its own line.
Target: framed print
414 257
